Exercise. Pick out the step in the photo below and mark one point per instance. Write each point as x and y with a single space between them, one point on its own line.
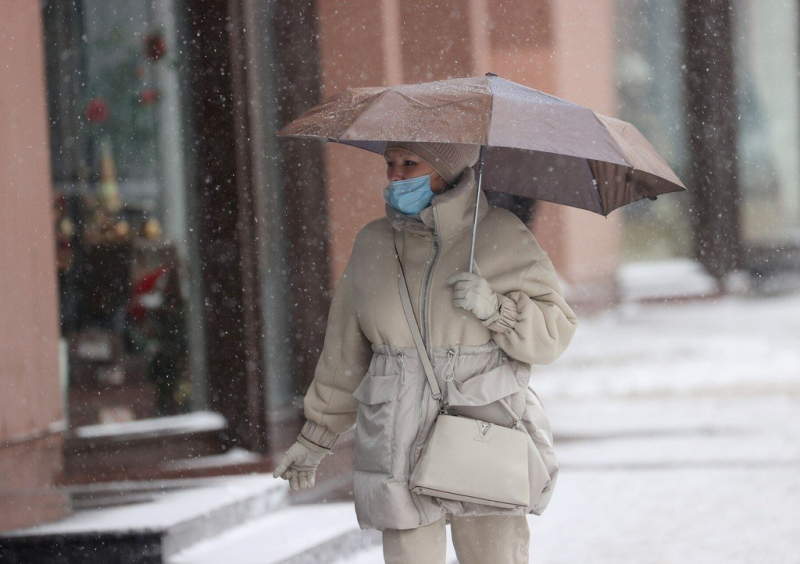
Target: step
300 534
666 280
140 450
144 522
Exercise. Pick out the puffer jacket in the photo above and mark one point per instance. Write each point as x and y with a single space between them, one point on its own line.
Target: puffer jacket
370 374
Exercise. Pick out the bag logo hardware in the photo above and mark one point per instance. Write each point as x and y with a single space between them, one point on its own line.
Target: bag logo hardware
483 430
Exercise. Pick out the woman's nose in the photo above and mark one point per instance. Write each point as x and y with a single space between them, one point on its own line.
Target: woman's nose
395 175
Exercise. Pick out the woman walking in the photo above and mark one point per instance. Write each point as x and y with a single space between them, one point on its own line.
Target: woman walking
510 312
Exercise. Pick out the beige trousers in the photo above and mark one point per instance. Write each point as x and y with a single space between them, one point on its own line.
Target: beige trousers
489 539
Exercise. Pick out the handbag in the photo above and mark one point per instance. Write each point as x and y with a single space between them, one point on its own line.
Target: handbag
466 459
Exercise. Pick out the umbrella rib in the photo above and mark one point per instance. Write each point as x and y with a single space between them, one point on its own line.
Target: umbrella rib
596 192
374 100
491 113
354 121
481 156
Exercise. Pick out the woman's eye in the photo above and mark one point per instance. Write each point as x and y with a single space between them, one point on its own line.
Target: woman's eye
410 163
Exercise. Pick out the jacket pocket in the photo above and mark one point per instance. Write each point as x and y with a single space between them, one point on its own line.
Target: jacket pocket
374 436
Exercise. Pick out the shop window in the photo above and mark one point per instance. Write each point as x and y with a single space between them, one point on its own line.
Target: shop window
765 48
649 60
120 209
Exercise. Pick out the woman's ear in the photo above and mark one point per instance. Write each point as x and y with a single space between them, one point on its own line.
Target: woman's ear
438 184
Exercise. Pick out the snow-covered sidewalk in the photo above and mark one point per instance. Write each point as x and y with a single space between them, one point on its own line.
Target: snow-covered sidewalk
739 346
680 428
675 480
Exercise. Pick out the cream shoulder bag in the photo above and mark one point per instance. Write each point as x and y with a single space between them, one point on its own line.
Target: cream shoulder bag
467 459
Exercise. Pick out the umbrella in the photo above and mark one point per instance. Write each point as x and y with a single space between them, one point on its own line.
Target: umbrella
532 144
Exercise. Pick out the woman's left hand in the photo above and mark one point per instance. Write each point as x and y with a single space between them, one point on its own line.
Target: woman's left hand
473 293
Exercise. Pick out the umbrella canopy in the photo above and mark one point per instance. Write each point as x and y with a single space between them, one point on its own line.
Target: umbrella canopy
534 145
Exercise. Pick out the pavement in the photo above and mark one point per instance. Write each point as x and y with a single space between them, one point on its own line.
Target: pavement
680 436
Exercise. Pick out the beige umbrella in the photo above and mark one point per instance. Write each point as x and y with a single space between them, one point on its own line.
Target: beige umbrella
532 144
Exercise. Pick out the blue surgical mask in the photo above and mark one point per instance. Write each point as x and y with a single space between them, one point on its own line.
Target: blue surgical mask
409 196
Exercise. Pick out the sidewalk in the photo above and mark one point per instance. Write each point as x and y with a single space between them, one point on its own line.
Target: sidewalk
680 428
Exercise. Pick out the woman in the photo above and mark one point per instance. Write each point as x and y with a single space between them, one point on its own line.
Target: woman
369 374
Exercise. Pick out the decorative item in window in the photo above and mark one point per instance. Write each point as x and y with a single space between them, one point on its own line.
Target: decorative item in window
155 46
97 110
148 96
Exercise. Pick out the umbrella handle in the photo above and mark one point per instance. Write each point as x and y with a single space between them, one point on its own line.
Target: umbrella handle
477 201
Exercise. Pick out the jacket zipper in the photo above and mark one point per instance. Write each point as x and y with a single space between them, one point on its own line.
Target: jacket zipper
426 292
425 338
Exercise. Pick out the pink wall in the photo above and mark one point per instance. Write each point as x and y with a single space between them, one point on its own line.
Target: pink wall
29 330
355 36
588 249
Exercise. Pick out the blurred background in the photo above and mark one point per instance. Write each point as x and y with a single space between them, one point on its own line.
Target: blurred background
166 264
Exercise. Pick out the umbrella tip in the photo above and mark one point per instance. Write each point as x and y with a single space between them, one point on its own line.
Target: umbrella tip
490 74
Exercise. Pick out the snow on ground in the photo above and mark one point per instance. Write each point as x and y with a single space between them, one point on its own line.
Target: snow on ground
730 345
671 278
680 515
680 428
274 538
160 510
156 426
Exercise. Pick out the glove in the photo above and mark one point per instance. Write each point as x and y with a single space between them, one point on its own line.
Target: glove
473 293
299 464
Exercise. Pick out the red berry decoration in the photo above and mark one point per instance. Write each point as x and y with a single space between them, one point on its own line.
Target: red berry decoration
155 46
148 96
97 110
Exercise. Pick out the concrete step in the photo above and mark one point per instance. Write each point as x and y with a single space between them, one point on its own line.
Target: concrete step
142 450
302 534
144 522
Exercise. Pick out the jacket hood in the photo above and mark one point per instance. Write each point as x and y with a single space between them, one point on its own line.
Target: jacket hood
454 207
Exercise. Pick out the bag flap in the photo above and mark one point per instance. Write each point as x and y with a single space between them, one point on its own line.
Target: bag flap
376 389
483 389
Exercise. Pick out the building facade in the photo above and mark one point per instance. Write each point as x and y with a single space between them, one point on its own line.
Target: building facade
164 253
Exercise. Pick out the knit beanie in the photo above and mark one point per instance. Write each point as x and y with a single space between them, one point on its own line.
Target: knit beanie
448 159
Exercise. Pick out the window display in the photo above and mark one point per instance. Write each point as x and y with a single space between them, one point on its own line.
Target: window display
119 208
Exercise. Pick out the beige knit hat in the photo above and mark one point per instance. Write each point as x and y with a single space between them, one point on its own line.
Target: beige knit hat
448 159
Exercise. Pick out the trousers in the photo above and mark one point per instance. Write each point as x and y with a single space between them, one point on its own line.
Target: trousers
486 539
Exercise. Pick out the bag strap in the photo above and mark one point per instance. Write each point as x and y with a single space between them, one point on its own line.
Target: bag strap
405 299
412 321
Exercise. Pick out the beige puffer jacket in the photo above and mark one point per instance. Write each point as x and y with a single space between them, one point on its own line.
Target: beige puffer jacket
369 373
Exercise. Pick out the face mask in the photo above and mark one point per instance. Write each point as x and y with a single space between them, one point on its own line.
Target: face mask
409 196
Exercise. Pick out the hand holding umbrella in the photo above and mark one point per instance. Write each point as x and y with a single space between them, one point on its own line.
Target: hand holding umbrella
473 293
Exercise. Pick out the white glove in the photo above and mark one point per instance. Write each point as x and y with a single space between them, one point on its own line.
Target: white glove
473 293
299 464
